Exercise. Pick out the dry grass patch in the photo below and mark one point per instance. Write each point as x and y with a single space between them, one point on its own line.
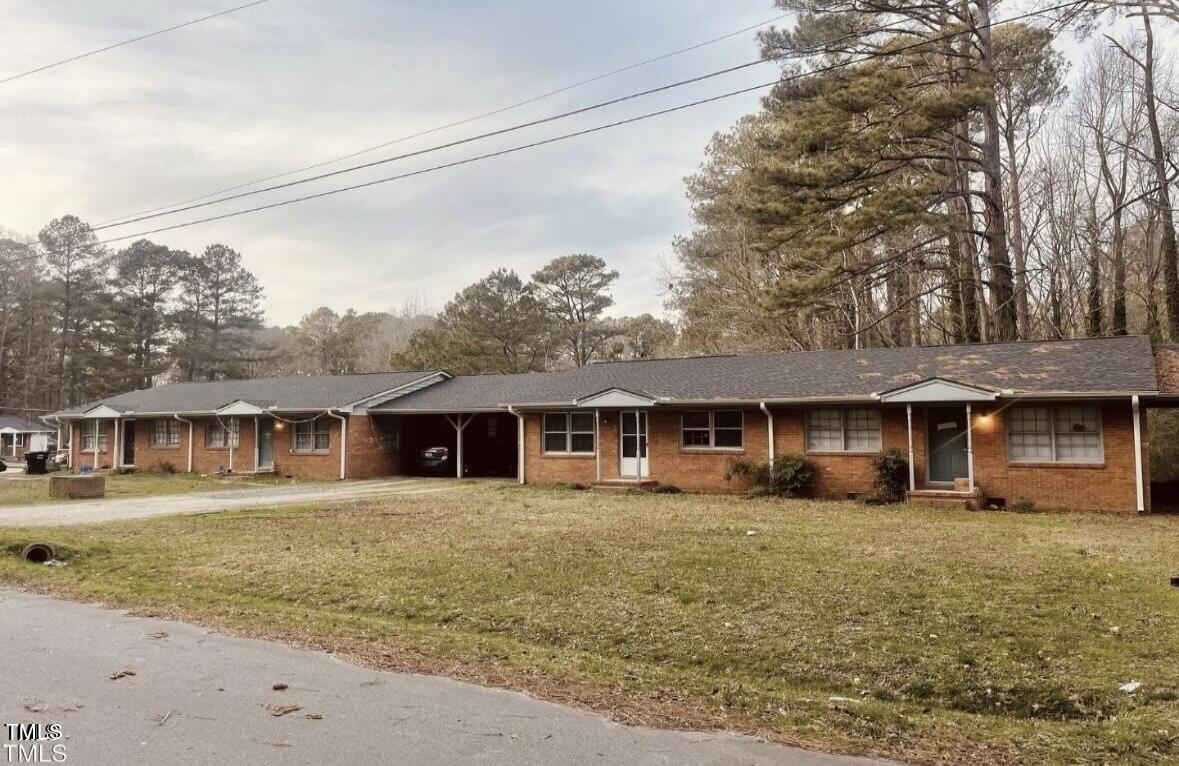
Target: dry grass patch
954 637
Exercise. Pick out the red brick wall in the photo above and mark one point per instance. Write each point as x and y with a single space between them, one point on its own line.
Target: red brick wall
80 458
1108 486
366 459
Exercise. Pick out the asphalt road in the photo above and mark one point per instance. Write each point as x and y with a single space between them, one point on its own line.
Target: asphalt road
130 690
258 496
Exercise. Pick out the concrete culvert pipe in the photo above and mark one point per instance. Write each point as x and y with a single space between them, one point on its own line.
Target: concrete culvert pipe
38 553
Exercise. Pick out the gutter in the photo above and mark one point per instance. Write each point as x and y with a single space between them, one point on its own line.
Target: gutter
343 442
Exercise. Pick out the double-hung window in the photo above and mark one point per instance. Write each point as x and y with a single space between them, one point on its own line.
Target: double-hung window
221 434
313 435
88 440
845 430
712 429
165 433
1067 434
569 432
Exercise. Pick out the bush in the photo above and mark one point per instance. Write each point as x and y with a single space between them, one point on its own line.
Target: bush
890 477
791 475
163 466
666 489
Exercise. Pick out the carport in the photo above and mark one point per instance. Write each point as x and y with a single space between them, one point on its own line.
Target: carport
483 443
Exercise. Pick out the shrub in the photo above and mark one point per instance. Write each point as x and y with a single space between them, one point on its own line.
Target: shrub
163 466
666 489
890 477
790 475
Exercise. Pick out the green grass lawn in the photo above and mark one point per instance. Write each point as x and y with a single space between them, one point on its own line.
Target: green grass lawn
945 637
25 490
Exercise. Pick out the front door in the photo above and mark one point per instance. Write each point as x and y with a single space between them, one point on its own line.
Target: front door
129 442
947 444
265 444
633 450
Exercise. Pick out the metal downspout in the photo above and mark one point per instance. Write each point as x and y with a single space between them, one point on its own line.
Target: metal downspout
343 442
182 420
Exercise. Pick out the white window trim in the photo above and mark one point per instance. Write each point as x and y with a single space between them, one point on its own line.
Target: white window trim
1054 460
711 446
544 432
806 436
233 434
312 423
171 426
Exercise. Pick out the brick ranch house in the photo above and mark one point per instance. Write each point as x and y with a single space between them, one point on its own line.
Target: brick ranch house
1060 424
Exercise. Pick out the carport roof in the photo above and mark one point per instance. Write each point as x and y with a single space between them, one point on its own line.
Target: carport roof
291 393
1093 366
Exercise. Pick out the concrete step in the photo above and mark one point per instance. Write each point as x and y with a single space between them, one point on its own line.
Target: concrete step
946 498
621 485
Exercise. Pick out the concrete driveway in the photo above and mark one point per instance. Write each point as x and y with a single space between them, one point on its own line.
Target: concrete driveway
132 690
114 509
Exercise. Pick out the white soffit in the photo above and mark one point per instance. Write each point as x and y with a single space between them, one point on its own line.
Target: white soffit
615 397
938 390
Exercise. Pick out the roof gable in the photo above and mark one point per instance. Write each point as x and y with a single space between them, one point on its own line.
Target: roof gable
615 397
938 390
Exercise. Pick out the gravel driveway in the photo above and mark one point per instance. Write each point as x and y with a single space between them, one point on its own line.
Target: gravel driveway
114 509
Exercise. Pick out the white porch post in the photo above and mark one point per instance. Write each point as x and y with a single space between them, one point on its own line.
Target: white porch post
255 444
95 466
1138 479
460 425
912 469
117 452
519 443
638 448
969 449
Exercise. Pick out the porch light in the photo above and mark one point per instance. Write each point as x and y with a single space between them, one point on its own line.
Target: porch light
279 425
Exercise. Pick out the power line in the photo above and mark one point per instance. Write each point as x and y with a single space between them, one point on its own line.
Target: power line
149 35
457 123
470 160
440 147
587 131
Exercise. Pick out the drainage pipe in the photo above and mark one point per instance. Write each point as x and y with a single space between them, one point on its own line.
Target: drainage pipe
182 420
770 424
343 442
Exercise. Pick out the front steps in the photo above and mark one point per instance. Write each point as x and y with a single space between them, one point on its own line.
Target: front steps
622 485
963 500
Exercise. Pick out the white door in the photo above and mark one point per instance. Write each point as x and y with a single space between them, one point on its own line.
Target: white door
632 451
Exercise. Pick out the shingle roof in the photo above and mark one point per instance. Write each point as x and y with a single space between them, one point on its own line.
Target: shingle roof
1089 365
311 392
17 423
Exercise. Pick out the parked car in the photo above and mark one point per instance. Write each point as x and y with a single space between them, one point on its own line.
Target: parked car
435 461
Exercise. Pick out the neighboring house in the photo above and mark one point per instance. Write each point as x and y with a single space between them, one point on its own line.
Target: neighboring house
19 435
1059 424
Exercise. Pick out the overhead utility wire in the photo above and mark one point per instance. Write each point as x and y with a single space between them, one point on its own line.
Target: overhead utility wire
440 147
457 123
789 78
587 131
149 35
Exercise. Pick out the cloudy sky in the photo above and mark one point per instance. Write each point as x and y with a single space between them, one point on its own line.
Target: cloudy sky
293 82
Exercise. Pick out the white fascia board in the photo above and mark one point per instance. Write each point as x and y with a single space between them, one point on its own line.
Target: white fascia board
937 390
615 398
101 412
405 388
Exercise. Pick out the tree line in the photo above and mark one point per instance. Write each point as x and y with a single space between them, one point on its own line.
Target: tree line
79 321
933 180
